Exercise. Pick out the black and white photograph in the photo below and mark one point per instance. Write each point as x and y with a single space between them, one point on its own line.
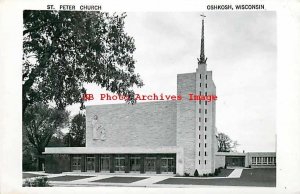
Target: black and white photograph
149 99
131 97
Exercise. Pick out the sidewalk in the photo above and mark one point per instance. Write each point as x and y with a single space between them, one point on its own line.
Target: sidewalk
131 180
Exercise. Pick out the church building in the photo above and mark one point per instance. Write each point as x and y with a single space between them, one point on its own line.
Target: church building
176 137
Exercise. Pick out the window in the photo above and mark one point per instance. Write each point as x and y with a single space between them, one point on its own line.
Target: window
205 111
199 162
205 85
200 76
199 110
199 128
270 160
200 93
204 161
205 153
205 76
199 119
205 93
264 160
199 153
205 136
258 160
205 145
205 120
205 102
200 85
199 101
199 136
205 128
199 145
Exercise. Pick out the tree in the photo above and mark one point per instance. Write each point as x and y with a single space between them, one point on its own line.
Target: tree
225 144
76 135
62 50
28 153
41 123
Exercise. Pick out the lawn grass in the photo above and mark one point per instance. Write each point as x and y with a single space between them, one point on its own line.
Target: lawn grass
120 179
259 177
224 173
68 178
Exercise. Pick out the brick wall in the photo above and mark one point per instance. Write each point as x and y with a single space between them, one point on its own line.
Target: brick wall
186 120
143 124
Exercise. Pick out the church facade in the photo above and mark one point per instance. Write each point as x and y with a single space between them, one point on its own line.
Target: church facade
176 137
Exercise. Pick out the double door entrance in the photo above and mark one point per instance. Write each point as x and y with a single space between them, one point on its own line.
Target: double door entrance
167 165
150 164
163 165
90 164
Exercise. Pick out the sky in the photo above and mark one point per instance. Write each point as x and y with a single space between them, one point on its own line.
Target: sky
241 50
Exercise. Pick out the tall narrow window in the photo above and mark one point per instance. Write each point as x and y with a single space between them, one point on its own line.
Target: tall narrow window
199 119
205 93
205 120
205 76
199 128
200 85
200 76
199 153
205 136
199 101
205 153
199 145
204 161
205 85
205 128
199 161
205 145
205 102
199 136
199 110
205 111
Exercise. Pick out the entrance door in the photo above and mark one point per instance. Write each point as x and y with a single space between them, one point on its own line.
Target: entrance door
104 163
76 163
150 164
119 164
167 165
90 163
135 165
